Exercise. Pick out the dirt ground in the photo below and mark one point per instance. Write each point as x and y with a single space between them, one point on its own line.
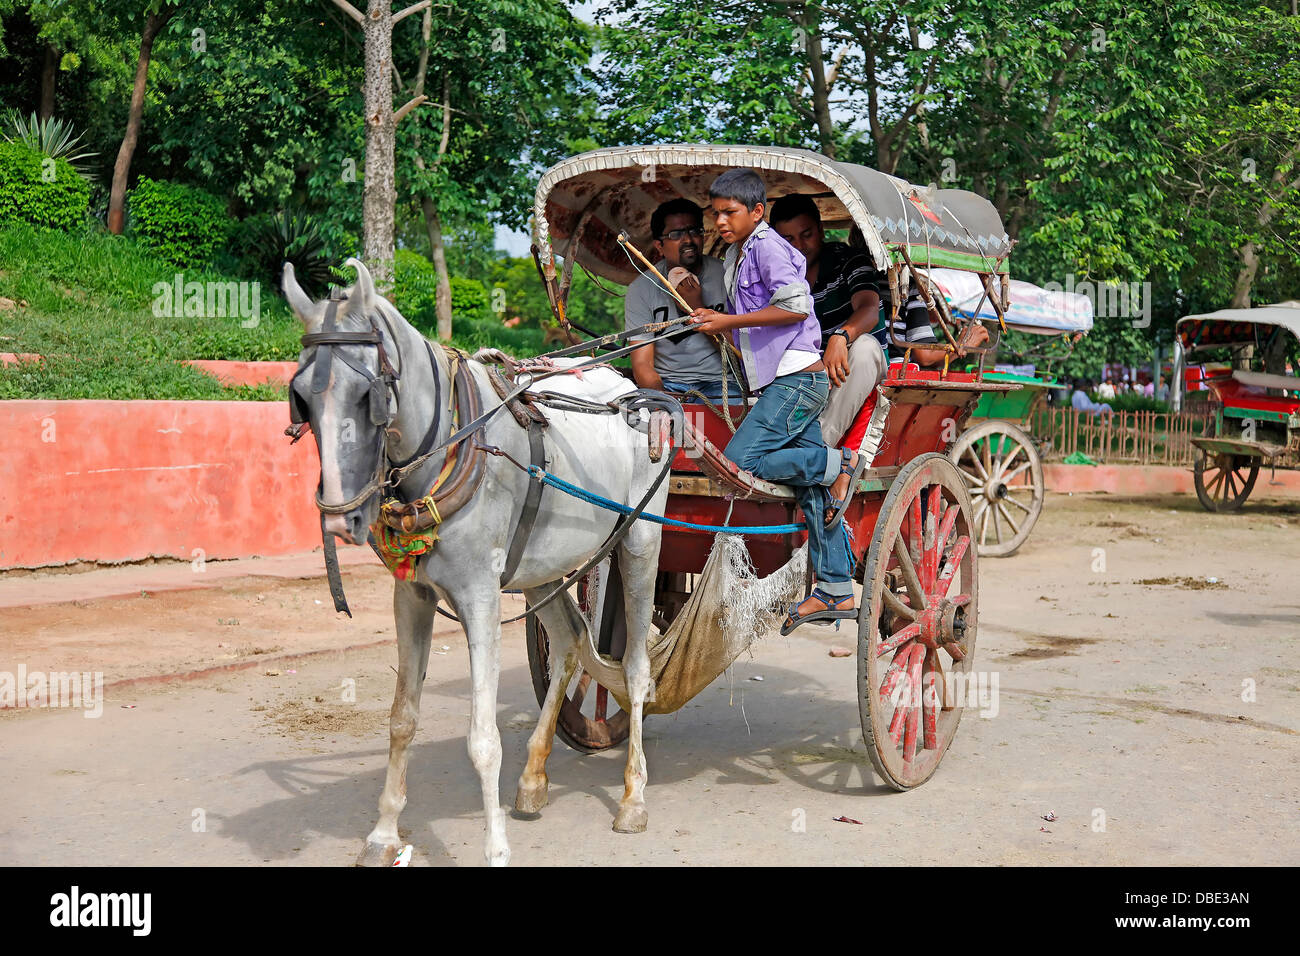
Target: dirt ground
1153 712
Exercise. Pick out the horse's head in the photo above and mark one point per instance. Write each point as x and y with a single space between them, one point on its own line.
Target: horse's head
344 389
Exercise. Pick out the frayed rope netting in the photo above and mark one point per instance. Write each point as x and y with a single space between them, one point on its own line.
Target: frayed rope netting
729 609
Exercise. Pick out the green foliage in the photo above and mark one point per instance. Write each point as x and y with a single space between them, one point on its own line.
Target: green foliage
267 242
90 314
184 224
703 72
51 137
469 300
415 290
1135 402
39 190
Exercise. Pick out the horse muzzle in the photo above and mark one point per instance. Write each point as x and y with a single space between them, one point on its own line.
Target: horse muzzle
350 528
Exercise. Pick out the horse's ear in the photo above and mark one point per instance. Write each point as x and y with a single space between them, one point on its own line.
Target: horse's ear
364 300
308 312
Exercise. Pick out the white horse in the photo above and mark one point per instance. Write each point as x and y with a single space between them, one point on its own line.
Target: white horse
601 453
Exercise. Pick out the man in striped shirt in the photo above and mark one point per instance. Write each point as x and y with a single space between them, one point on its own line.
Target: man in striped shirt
846 291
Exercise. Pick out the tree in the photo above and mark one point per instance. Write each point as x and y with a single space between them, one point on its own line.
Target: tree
505 102
379 196
154 15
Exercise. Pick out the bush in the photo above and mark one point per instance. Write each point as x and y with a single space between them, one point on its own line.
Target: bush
51 137
184 225
41 191
1134 402
415 291
267 242
469 301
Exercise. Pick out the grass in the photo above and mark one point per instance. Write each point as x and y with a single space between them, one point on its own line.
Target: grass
90 314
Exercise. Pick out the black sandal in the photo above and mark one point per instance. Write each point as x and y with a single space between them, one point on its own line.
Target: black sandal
793 618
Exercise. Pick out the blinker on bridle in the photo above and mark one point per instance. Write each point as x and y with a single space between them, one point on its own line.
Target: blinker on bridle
380 385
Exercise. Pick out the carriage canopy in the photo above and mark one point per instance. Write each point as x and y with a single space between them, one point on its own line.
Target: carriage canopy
596 195
1237 327
1032 308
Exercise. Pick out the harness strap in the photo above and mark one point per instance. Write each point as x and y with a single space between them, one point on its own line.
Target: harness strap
528 516
618 534
431 433
332 569
459 478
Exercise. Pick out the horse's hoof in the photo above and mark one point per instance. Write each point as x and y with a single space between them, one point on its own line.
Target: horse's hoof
378 854
531 799
631 820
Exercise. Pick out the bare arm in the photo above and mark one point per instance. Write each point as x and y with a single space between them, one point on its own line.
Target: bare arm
706 320
643 368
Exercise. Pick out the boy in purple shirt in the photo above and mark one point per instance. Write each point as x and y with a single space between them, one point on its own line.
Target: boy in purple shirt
779 338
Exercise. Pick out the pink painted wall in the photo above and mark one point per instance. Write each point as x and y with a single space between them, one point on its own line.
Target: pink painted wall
122 481
1155 480
245 373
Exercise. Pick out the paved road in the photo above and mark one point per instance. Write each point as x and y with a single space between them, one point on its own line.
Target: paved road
1120 710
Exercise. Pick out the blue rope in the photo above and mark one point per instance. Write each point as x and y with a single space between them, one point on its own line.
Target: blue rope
589 496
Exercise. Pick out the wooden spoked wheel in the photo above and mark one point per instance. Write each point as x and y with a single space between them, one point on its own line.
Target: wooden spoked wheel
1004 475
1223 480
590 718
917 621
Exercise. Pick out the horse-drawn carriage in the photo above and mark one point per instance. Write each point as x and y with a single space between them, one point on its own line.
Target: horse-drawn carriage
999 457
462 502
911 518
1257 413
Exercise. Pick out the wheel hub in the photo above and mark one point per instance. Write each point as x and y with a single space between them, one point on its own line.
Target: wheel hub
943 622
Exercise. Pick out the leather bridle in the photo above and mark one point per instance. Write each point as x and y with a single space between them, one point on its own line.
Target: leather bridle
383 392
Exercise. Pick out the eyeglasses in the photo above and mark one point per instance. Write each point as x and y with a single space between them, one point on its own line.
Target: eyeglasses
676 234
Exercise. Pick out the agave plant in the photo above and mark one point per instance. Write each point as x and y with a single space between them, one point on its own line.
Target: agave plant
292 237
50 136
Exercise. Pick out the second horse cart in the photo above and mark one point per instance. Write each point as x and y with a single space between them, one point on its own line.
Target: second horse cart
911 520
1257 405
998 455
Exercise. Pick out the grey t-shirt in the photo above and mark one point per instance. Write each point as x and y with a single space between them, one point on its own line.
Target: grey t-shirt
691 357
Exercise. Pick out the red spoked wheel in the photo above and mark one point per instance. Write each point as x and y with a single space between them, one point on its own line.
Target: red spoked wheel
917 621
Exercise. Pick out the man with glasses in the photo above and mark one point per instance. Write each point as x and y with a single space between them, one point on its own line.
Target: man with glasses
681 359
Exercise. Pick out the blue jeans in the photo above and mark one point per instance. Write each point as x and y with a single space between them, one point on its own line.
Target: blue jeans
710 390
781 440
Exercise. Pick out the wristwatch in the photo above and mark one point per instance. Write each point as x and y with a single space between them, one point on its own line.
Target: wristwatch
847 340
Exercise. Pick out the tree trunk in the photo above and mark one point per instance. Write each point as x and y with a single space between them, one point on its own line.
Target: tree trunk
432 222
153 24
379 198
1245 276
49 73
439 255
820 91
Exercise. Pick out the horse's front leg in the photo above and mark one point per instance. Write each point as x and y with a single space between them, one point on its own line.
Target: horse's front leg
481 616
560 634
413 608
638 596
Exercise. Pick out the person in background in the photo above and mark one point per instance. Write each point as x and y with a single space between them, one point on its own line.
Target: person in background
1106 391
774 326
680 359
1079 399
846 294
